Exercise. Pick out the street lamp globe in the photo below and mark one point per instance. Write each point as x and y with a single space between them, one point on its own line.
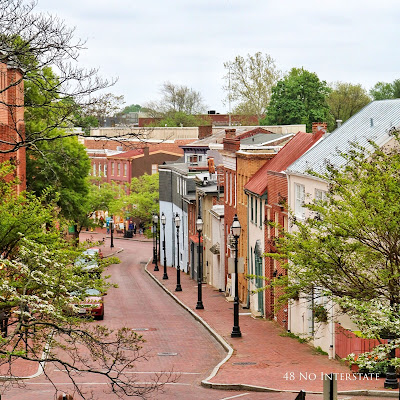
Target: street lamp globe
163 219
155 219
235 227
199 224
177 220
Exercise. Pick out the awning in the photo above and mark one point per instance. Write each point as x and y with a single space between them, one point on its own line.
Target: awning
195 239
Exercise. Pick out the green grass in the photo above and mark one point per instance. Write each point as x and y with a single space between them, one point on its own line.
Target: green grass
293 336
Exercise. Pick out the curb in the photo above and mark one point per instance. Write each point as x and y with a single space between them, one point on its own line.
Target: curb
216 335
241 386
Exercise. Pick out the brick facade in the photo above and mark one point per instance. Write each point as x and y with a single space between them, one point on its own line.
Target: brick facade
12 126
247 165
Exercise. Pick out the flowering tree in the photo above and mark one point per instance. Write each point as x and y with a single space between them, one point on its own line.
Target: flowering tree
40 285
349 247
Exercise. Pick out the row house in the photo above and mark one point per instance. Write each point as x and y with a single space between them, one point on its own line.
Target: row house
206 185
120 167
243 154
374 122
267 195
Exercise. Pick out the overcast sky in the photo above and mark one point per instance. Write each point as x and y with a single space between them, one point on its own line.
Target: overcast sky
145 43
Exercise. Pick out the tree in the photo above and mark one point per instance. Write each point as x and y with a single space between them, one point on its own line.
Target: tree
142 199
176 98
61 166
344 101
384 90
249 82
349 247
32 43
131 108
179 118
299 98
105 105
41 286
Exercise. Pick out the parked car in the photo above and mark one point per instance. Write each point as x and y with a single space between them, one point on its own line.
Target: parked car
92 305
88 261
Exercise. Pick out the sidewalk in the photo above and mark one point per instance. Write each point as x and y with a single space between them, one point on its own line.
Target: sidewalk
262 359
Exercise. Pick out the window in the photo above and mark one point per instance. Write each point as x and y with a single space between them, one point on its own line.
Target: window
94 169
105 169
112 169
268 226
154 168
99 169
261 213
256 211
125 169
299 193
320 195
192 158
226 187
251 209
119 169
230 189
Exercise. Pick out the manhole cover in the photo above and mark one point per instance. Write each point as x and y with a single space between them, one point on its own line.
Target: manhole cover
244 363
167 354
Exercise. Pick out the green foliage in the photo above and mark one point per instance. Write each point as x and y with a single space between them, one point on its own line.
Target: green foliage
384 90
141 201
23 215
350 244
344 101
249 82
299 98
320 313
293 336
63 166
179 118
320 351
131 108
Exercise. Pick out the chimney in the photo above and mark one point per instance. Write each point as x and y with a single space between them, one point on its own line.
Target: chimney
339 123
230 133
205 131
145 151
319 126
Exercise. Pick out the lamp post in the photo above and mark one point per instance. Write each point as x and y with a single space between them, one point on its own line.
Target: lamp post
112 233
155 257
235 230
178 271
163 221
199 227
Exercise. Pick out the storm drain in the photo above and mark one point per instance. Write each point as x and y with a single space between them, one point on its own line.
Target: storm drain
244 363
167 354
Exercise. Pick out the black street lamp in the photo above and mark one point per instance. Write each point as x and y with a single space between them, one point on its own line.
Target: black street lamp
155 257
199 227
112 233
178 271
163 221
235 230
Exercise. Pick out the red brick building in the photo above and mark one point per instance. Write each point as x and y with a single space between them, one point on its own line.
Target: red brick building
270 184
12 126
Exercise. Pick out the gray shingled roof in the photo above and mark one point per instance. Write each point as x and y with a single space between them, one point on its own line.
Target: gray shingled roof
373 122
